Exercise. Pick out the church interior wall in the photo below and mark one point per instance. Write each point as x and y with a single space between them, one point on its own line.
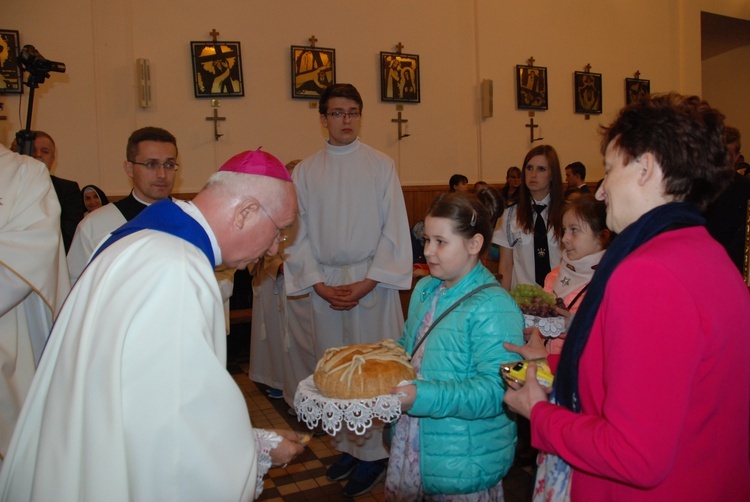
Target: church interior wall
92 108
726 85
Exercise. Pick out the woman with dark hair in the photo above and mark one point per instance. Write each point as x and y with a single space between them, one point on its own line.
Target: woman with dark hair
530 232
458 183
512 188
650 398
93 198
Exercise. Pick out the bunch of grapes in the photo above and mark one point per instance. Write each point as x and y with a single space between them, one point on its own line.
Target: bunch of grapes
533 300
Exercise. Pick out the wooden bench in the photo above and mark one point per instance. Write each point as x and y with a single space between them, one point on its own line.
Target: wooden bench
240 316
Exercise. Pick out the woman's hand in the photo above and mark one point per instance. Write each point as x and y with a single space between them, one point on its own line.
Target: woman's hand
408 400
522 399
563 312
534 348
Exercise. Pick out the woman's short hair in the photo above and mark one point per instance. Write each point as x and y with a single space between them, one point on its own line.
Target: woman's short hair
685 135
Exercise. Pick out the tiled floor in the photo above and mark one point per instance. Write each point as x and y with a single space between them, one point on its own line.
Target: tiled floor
304 479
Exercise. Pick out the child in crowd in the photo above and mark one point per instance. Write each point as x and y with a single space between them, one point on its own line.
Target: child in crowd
458 183
454 440
585 237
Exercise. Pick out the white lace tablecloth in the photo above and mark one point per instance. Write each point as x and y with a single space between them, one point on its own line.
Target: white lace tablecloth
551 327
357 414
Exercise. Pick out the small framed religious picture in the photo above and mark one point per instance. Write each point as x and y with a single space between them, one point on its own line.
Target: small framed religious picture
635 89
313 69
217 69
399 77
588 92
531 87
10 72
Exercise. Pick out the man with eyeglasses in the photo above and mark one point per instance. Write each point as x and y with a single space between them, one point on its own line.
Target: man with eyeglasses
352 253
152 165
132 399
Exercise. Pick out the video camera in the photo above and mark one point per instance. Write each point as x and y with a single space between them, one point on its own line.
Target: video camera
31 61
38 68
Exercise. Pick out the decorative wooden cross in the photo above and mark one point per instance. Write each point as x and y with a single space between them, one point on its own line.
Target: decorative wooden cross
531 125
400 121
531 61
587 67
637 74
214 34
216 119
312 40
399 46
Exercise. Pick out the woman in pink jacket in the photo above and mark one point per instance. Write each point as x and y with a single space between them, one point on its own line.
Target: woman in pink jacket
651 396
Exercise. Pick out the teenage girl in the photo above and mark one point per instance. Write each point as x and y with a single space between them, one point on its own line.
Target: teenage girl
585 237
454 440
512 188
542 185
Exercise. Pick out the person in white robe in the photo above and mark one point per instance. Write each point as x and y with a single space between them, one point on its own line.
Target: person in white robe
281 345
132 400
151 164
282 350
267 331
352 249
150 184
33 277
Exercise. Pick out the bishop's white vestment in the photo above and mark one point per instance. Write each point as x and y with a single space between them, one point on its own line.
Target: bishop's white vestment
132 400
33 277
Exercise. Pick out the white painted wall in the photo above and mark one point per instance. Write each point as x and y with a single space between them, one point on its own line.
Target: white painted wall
91 109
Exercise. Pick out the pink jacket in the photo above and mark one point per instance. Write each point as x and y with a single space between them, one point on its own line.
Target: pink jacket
664 381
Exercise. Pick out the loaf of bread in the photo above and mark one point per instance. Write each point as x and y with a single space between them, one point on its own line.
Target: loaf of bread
362 371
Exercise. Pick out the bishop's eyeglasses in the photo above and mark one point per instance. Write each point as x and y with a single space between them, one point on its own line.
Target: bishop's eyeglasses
280 236
153 165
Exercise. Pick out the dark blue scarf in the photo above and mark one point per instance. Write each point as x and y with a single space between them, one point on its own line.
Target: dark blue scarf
164 216
660 219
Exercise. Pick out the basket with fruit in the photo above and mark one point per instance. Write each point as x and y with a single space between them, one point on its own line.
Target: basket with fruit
538 309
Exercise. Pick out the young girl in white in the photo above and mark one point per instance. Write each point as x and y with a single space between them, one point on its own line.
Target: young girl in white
585 237
454 441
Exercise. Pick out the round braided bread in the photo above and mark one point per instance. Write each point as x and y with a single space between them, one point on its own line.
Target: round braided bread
362 371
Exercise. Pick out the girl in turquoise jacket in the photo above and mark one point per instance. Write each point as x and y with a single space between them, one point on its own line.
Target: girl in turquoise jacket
455 441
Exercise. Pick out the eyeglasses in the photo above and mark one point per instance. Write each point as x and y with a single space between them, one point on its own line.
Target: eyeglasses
279 236
341 115
153 165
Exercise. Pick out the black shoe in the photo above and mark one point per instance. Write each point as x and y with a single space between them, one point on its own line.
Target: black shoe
343 468
365 476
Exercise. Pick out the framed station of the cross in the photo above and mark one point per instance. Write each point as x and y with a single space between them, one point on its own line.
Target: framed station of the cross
635 89
399 77
217 69
313 69
10 72
531 87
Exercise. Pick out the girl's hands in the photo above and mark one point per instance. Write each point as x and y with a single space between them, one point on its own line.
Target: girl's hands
406 400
